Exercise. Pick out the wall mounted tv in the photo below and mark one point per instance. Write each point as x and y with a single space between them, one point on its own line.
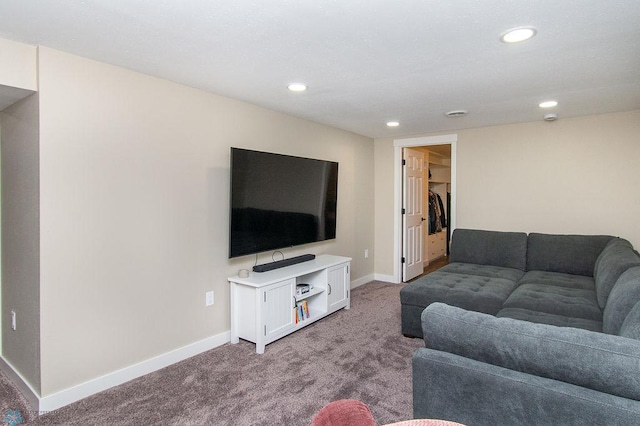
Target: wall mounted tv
280 201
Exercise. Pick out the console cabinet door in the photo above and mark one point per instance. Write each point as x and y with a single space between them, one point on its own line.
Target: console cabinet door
338 287
277 310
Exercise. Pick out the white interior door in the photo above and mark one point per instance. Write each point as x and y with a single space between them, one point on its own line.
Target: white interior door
413 214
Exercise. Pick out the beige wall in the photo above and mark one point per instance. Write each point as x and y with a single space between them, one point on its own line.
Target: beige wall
134 211
384 206
576 175
20 238
18 65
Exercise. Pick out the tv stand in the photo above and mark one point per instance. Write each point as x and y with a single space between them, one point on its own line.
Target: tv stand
264 305
284 262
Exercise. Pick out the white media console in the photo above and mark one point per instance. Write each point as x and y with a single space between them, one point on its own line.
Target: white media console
263 306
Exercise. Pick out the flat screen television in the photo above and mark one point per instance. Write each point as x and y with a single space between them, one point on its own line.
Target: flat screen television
280 201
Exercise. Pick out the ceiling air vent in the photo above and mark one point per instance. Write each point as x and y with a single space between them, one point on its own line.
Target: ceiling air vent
457 113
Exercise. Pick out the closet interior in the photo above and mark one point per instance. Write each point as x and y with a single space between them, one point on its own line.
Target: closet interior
437 200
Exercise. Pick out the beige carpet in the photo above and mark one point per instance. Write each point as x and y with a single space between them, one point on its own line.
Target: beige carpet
359 354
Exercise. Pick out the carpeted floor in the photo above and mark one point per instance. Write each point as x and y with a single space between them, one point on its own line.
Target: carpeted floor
13 406
359 354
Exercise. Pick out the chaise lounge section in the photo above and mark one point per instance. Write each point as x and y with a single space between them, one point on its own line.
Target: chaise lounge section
484 269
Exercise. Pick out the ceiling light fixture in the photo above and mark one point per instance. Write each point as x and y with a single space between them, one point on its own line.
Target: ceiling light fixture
516 35
393 123
297 87
548 104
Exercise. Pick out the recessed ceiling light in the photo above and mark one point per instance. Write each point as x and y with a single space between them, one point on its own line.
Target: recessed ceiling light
297 87
392 124
516 35
547 104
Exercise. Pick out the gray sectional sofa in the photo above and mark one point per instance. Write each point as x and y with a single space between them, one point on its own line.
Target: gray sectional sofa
528 329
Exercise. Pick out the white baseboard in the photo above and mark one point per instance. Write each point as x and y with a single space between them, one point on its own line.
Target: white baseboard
373 277
361 281
21 383
386 278
83 390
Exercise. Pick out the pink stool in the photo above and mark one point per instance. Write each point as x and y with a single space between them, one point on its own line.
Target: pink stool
425 422
344 412
350 412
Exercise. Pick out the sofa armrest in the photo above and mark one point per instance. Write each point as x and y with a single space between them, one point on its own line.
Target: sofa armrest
584 358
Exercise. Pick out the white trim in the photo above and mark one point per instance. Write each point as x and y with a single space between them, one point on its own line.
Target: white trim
428 140
76 393
21 383
386 278
362 281
372 277
398 144
83 390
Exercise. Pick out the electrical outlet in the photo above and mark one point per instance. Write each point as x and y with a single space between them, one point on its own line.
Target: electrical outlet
366 253
13 320
209 298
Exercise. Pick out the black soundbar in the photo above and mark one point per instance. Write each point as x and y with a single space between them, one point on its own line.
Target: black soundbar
284 262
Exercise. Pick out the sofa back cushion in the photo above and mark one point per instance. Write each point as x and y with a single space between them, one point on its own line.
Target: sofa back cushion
631 325
617 256
506 249
569 254
584 358
624 295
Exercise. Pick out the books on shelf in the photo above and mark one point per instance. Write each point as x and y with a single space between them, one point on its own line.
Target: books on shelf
301 311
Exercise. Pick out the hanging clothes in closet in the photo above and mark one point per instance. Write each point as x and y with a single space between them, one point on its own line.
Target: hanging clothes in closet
437 215
443 215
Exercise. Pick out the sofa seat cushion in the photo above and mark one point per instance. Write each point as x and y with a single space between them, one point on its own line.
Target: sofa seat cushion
558 279
563 301
476 293
551 319
483 270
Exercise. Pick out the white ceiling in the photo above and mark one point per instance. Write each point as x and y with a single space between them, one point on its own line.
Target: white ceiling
365 61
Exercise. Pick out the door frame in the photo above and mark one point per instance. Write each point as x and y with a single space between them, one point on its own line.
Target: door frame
398 144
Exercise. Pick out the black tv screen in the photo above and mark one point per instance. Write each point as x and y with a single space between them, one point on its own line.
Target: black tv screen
280 201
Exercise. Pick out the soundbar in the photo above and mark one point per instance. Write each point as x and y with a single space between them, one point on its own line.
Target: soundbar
284 262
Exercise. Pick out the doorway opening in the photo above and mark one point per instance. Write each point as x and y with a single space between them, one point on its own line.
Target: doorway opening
442 183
